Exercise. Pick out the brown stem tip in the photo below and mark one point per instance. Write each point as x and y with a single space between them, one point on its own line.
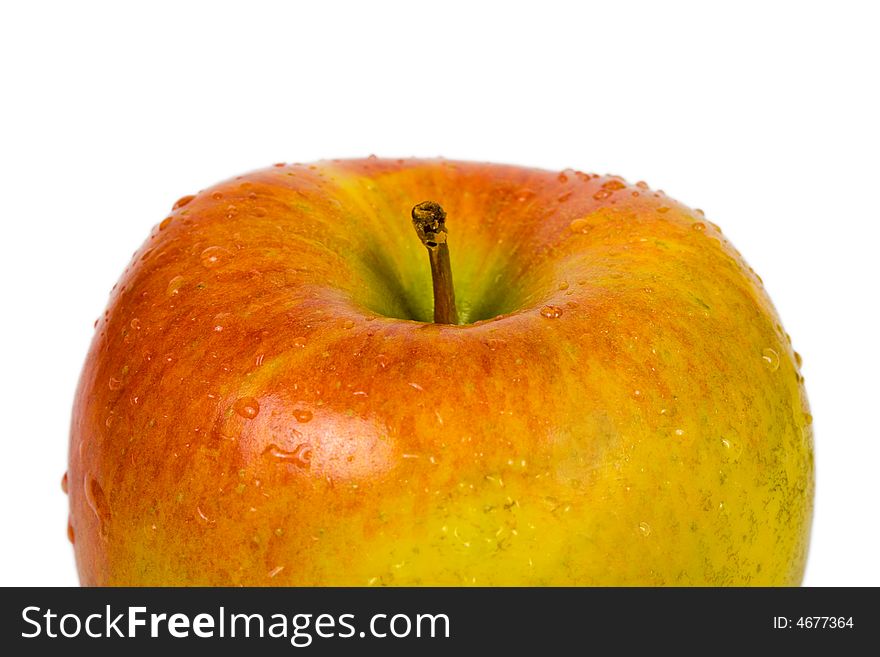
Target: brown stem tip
429 220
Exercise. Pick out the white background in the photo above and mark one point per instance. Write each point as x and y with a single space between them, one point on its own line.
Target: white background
763 114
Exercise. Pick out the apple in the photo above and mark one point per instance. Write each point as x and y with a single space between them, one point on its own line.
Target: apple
606 397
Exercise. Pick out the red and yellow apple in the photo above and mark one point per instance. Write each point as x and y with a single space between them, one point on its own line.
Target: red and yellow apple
267 400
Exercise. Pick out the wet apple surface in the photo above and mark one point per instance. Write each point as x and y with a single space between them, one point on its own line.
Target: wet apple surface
267 400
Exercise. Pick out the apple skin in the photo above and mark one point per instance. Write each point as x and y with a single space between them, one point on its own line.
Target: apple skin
623 406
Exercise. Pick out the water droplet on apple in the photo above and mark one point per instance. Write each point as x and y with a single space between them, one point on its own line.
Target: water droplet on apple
247 407
64 483
798 359
165 223
642 185
662 209
214 256
699 226
183 200
732 450
563 285
97 502
579 226
71 536
220 321
216 196
602 194
174 286
302 415
299 342
301 455
551 312
808 419
204 516
562 177
259 212
771 359
114 383
347 324
613 185
564 197
644 529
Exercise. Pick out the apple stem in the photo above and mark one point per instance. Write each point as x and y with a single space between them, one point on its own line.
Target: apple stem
429 220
